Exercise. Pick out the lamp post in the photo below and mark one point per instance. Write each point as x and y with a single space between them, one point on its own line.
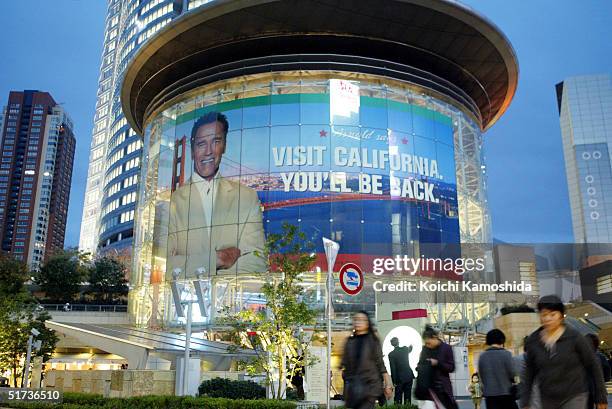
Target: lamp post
26 373
180 304
187 347
331 252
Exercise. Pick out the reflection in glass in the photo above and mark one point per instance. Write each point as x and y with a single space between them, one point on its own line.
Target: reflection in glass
363 175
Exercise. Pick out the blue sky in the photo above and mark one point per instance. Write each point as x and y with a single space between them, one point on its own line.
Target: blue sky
55 46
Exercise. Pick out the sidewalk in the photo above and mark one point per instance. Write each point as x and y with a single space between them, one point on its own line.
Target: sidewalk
467 404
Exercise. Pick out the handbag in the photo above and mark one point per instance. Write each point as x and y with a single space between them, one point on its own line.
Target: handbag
424 380
355 391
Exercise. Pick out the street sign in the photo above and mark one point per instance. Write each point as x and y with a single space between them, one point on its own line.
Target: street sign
351 278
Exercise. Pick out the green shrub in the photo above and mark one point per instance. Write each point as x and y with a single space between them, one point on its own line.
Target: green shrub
512 309
227 388
83 398
406 406
85 401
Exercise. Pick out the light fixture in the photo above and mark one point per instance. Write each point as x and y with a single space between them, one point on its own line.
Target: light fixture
200 290
176 294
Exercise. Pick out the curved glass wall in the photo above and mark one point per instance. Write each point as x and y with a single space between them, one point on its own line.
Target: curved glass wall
382 167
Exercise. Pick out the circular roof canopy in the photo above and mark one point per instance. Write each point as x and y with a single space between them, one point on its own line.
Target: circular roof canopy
441 43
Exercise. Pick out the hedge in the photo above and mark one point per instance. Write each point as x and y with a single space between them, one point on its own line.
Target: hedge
89 401
231 389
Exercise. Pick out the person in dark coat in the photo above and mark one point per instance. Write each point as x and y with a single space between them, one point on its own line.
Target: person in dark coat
497 371
297 380
401 372
560 358
435 364
364 371
593 340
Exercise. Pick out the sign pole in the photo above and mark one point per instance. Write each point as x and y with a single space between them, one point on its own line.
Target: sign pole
331 252
187 348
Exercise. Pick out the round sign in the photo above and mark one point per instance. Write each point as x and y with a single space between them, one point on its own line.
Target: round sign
351 278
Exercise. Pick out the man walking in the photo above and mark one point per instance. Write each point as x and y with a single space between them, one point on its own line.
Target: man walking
401 373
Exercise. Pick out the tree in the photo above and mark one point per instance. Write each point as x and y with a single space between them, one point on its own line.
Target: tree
107 280
13 275
19 314
276 333
62 274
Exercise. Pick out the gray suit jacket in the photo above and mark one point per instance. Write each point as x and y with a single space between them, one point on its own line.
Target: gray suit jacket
236 222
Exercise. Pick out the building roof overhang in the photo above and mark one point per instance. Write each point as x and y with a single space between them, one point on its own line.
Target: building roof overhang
440 44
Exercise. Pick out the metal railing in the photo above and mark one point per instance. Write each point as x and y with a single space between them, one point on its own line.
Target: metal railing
84 308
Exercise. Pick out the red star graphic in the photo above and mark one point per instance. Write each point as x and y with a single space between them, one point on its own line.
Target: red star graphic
322 133
404 140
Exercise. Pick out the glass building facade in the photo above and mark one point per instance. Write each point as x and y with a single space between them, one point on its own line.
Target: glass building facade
585 109
384 168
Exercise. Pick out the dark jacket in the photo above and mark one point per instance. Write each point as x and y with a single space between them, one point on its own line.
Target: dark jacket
496 370
401 372
440 379
369 367
562 372
605 366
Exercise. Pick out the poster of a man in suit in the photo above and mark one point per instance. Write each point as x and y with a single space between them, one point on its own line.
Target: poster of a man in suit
215 222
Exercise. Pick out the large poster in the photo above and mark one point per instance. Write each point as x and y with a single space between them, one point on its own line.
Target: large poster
373 174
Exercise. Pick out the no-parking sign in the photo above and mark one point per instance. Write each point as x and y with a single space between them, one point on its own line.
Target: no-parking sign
351 278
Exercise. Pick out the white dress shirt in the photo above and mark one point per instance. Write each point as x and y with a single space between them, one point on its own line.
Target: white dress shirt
208 192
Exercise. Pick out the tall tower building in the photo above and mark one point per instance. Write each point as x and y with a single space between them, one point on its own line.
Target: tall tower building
114 160
585 109
35 173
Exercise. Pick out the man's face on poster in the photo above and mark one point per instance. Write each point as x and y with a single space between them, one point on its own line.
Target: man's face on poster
207 149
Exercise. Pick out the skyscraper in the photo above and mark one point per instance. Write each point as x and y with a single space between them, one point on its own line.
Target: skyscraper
585 109
35 173
114 160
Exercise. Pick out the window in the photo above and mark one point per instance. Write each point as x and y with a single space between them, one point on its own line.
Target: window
96 154
134 146
129 198
132 163
127 216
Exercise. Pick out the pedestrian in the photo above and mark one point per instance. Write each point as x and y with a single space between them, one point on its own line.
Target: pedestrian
496 369
593 340
297 378
475 389
435 364
520 362
561 359
364 372
401 372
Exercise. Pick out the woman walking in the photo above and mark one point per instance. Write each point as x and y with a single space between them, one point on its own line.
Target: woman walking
497 373
364 372
435 364
561 359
